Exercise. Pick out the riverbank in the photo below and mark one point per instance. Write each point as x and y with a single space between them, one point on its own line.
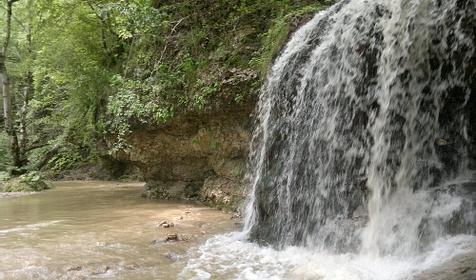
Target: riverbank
87 230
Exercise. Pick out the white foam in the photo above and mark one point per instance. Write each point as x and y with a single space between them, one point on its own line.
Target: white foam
30 227
231 257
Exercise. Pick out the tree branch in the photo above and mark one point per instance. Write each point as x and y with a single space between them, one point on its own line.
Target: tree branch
167 40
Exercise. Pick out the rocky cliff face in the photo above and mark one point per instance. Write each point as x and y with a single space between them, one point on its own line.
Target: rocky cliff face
200 157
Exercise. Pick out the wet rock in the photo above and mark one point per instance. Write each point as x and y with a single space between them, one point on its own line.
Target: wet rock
172 256
223 193
361 213
441 142
165 224
236 216
174 237
462 267
132 266
74 268
205 225
101 270
185 237
84 270
165 190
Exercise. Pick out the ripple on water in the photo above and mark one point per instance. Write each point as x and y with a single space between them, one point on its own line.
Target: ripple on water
29 227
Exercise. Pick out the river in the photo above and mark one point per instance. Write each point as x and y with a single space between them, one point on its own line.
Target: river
100 230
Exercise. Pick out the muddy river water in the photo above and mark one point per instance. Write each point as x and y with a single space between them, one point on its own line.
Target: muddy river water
101 230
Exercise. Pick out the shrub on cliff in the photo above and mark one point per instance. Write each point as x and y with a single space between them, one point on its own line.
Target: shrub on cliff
195 56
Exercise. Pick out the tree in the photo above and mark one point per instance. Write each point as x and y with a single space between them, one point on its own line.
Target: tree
7 97
28 89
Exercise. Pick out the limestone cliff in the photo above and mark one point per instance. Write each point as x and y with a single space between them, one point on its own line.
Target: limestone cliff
200 157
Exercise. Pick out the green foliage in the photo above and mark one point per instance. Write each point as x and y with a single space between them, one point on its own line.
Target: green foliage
4 153
4 176
71 72
29 182
103 68
64 160
127 106
199 55
277 35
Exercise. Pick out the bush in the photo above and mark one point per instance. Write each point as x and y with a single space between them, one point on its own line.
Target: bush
4 154
199 56
29 182
4 176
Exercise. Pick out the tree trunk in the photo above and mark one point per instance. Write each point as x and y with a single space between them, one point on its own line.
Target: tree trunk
47 157
28 92
7 115
7 98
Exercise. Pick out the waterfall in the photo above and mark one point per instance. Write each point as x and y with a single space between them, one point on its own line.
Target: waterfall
363 158
365 131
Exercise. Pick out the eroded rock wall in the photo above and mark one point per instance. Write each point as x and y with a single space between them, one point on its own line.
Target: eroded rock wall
200 157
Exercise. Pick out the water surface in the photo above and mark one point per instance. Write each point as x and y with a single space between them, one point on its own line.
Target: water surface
89 230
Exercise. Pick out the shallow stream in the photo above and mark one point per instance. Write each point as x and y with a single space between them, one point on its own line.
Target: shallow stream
99 230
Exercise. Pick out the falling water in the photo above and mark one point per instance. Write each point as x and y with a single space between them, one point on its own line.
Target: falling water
365 135
363 118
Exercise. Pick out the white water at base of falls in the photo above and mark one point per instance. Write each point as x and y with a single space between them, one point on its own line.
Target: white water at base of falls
360 163
231 256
